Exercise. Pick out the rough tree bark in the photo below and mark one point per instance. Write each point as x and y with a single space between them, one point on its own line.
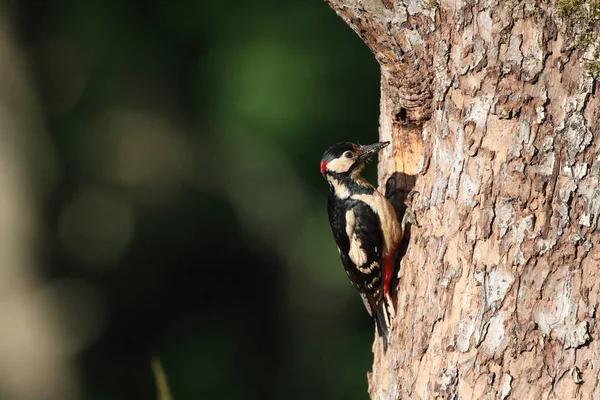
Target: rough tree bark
493 111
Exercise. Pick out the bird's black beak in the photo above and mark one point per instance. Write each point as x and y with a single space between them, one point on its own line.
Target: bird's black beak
367 151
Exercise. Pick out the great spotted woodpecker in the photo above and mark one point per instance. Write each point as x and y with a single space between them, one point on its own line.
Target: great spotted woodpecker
365 227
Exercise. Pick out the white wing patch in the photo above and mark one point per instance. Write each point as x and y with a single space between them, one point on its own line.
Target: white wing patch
392 232
350 223
369 269
356 253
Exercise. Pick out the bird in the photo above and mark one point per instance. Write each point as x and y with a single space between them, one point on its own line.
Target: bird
365 227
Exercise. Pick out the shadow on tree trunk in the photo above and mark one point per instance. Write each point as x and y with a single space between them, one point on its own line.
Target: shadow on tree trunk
398 188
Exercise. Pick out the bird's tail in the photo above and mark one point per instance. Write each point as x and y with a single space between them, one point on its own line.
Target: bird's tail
383 320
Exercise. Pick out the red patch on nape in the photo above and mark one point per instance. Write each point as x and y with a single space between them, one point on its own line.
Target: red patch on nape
323 166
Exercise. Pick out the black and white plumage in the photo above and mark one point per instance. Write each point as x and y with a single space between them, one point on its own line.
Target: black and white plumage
365 227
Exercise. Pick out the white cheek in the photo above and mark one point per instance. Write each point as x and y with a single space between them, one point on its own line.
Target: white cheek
340 165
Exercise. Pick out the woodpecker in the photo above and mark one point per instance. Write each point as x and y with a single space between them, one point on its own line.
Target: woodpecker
365 227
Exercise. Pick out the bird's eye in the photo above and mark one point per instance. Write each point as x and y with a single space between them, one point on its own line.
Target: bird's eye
348 154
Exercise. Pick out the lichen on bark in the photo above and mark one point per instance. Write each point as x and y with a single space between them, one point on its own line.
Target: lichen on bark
581 20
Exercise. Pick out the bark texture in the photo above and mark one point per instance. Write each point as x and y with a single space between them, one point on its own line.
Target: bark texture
494 116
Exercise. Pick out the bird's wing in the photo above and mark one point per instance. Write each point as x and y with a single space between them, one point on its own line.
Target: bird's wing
363 261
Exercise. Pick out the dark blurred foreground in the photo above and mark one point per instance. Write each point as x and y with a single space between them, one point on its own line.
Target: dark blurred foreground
180 212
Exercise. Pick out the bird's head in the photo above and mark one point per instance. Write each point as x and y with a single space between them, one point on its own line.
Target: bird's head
348 158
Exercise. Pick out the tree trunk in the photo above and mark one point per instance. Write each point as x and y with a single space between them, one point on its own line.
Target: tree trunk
34 362
493 112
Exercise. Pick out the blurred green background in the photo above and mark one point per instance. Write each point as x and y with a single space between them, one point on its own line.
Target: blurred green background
184 216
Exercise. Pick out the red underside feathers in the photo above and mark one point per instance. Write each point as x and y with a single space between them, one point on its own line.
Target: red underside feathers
388 271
